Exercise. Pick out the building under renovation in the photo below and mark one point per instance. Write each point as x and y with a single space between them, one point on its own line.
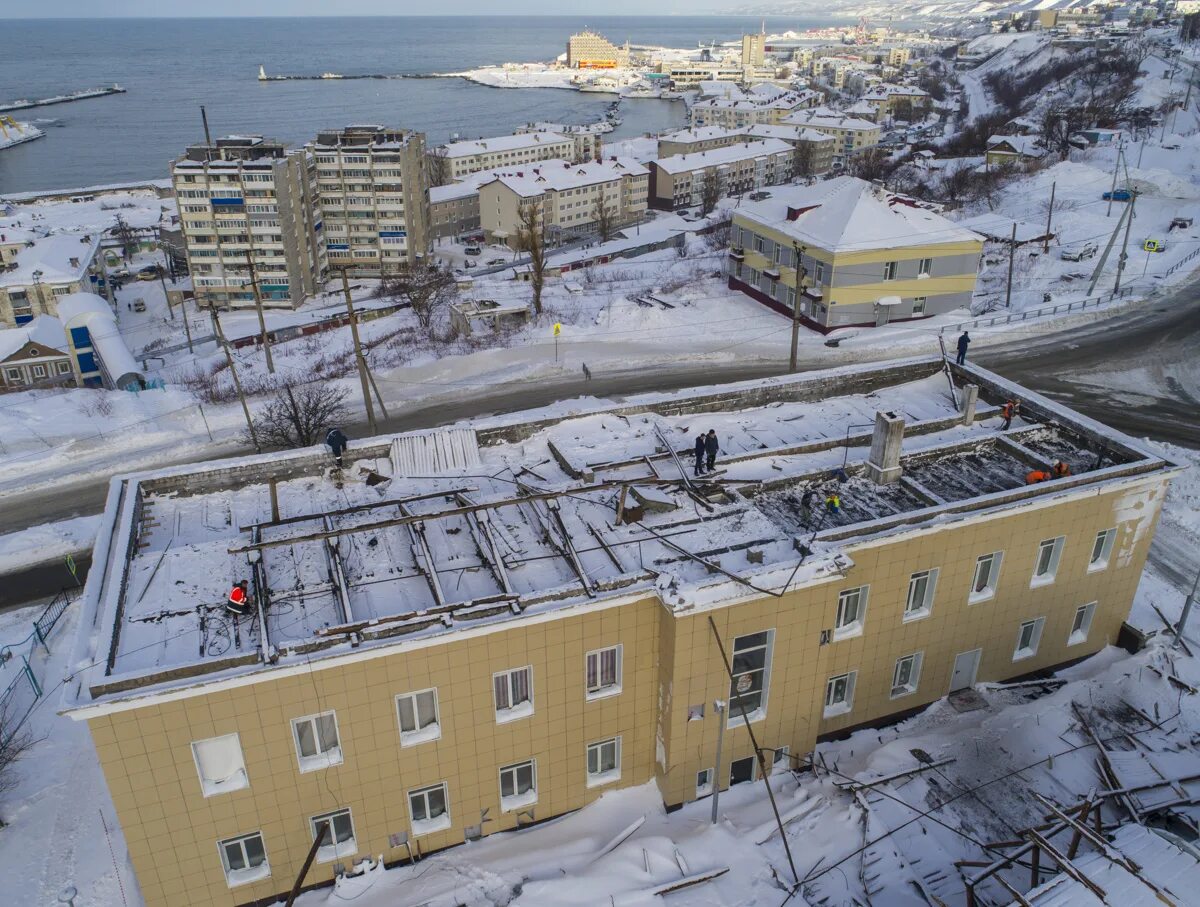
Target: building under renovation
471 629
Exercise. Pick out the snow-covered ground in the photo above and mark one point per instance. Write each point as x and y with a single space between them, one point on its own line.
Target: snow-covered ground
46 542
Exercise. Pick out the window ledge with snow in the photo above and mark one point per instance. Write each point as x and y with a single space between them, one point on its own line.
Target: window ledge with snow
341 851
736 718
1022 654
832 711
236 781
976 597
918 614
429 826
604 693
1097 567
848 632
1038 581
516 713
1076 638
424 735
899 692
602 778
323 760
236 877
703 790
519 801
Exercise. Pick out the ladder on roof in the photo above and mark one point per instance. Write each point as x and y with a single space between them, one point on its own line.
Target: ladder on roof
946 371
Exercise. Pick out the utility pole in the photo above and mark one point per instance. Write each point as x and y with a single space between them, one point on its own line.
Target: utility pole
358 354
718 707
1112 239
262 321
1183 618
187 327
1012 253
1049 218
204 120
1113 190
797 251
1125 246
237 384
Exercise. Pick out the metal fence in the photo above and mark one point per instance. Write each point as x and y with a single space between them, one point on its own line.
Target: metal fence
1183 261
1061 308
25 688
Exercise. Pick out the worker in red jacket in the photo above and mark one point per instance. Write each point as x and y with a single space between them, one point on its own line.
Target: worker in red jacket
239 601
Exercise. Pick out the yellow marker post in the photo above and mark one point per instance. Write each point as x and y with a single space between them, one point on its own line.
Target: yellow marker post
556 331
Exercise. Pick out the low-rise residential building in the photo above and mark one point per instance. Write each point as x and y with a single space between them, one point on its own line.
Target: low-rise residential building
35 355
854 135
1013 149
40 271
571 199
458 159
588 137
866 256
460 656
684 180
900 102
685 75
98 351
735 113
243 200
374 198
814 149
454 209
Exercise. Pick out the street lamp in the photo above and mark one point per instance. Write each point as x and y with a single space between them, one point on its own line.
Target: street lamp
37 290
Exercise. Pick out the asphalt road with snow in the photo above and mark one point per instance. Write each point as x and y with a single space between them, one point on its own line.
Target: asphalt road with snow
1139 373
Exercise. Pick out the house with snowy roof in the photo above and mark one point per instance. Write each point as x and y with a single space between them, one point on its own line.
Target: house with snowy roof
845 252
44 269
683 180
35 355
1013 149
902 102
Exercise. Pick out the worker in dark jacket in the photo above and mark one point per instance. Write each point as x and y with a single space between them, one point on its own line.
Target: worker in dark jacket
337 442
699 454
710 449
963 340
1060 470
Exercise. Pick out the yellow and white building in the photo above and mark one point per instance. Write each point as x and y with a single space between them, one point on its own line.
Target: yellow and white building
459 159
682 180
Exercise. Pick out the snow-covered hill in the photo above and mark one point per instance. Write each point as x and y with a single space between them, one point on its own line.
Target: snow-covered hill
880 11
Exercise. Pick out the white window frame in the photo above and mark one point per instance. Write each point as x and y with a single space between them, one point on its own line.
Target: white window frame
518 800
1055 548
428 826
842 707
521 709
322 758
760 711
918 611
1074 636
238 779
846 629
988 591
334 850
818 273
1035 638
236 877
704 783
1096 564
925 267
607 776
919 304
602 691
914 675
431 731
890 270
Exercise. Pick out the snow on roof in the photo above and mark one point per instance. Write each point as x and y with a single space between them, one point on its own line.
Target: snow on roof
822 116
789 100
787 133
1027 145
505 143
682 163
724 89
555 175
998 227
76 309
91 311
44 330
61 258
885 91
700 134
847 214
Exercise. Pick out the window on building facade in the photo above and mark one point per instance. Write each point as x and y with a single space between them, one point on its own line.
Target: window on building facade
418 715
317 744
603 761
889 270
919 305
1102 549
1028 638
339 842
514 694
906 675
921 588
741 770
987 574
819 273
1045 565
220 764
244 859
925 268
603 672
751 676
704 782
839 694
429 808
851 613
1081 626
518 785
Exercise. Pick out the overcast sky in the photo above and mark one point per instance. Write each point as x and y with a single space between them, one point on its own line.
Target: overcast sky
90 9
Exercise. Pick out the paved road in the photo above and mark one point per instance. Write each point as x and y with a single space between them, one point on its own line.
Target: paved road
1139 373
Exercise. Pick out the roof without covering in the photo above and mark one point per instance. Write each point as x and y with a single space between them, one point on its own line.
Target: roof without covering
505 143
847 214
715 157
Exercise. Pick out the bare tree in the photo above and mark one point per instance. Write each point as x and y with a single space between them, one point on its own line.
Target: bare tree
437 165
718 236
300 414
872 164
15 743
1058 124
531 239
127 237
428 289
710 191
605 225
802 160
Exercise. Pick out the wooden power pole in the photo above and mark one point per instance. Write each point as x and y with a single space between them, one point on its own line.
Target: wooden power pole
262 321
1125 245
1012 253
358 354
1049 218
237 384
797 249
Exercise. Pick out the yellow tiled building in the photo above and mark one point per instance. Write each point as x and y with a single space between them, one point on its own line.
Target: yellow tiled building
473 712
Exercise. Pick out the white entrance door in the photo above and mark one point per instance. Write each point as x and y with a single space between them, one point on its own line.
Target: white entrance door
965 666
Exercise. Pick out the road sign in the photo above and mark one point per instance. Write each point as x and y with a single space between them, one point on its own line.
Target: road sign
557 329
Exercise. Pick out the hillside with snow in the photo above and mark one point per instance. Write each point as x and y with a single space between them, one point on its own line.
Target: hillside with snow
900 10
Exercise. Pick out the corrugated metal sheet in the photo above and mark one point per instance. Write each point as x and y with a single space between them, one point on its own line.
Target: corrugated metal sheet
435 452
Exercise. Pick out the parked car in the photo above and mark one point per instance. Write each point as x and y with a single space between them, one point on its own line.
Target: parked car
497 261
1181 223
139 304
150 272
473 250
1120 195
1154 245
1079 253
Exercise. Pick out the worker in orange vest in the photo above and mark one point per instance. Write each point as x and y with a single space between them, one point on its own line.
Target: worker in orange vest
239 601
1060 469
1037 475
1010 411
